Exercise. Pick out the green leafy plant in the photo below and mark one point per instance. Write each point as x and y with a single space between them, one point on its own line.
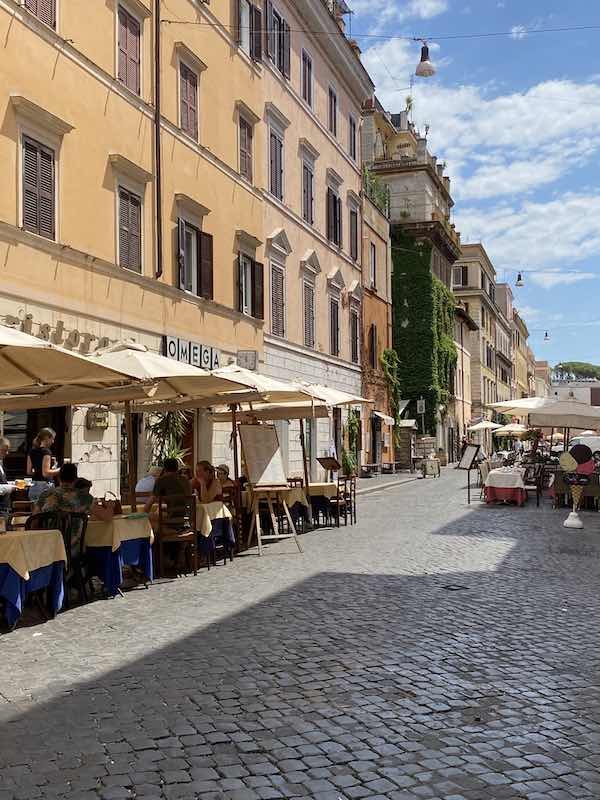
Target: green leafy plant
389 363
166 432
377 191
348 463
423 326
353 429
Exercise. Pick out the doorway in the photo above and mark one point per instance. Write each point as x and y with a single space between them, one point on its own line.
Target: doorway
21 428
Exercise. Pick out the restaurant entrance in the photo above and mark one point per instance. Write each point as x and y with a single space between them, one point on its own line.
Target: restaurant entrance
21 427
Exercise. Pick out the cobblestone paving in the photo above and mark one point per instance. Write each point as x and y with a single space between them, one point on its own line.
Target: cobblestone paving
432 651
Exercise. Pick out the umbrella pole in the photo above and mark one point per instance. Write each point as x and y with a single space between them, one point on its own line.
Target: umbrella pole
130 454
305 466
236 466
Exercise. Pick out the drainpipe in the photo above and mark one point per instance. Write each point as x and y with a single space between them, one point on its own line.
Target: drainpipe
157 143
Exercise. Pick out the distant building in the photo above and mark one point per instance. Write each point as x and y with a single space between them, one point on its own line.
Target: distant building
542 378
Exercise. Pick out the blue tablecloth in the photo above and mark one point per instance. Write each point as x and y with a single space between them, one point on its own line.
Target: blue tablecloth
108 564
14 589
222 535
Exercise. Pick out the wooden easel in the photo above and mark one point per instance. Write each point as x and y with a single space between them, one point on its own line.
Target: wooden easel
270 493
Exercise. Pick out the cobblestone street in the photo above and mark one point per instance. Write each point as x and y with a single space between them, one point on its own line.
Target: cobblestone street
432 651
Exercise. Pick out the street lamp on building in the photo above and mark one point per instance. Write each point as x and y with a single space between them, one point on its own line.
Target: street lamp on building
425 68
546 337
519 283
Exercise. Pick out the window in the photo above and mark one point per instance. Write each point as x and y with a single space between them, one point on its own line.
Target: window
334 217
245 149
309 314
195 260
354 234
277 301
278 39
188 101
332 115
250 286
129 50
373 346
460 276
45 10
276 165
352 137
307 84
373 266
250 29
39 188
334 326
130 230
354 335
308 200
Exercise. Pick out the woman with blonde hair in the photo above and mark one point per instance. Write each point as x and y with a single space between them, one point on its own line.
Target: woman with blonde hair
39 463
205 483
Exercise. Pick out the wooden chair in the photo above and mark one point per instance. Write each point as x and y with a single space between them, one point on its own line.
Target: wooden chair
484 471
533 480
296 482
232 498
177 528
345 500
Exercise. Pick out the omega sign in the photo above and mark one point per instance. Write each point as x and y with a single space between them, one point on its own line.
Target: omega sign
198 355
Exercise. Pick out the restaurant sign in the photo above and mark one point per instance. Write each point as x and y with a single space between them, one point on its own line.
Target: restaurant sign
58 333
198 355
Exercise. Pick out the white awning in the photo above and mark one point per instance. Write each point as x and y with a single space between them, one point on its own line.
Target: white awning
388 420
408 423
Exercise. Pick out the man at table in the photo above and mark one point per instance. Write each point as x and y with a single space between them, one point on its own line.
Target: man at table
6 489
169 484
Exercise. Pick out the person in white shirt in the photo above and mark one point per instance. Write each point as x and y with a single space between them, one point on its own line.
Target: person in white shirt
145 485
6 489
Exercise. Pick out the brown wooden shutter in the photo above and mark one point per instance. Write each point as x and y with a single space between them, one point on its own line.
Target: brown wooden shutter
205 272
123 228
353 234
277 302
255 33
237 20
122 45
133 54
38 189
286 49
45 10
269 30
330 214
258 288
130 230
183 98
245 149
334 326
309 315
30 186
338 201
181 253
46 208
273 164
189 101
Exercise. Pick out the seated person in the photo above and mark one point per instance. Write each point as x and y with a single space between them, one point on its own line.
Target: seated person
169 485
145 485
205 483
186 472
223 475
73 495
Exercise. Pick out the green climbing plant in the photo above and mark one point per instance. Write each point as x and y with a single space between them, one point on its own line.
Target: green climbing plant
377 191
390 364
423 327
353 429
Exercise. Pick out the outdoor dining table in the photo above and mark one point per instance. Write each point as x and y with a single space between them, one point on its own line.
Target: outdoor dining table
214 524
505 485
124 540
29 561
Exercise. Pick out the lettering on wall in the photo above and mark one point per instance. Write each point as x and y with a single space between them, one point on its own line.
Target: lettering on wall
58 334
198 355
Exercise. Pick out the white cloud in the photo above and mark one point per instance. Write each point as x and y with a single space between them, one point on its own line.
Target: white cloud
518 32
388 12
548 280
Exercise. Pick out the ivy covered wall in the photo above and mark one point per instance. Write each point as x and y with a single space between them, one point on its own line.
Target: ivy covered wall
422 328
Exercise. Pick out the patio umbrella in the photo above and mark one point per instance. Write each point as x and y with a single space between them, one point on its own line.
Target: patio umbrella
587 433
27 362
274 411
564 414
484 425
522 406
513 429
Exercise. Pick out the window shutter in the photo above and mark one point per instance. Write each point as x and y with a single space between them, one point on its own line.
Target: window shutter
46 207
330 214
269 30
183 97
240 283
258 287
237 21
30 186
135 233
133 54
277 301
205 272
181 253
353 234
286 49
123 228
309 315
338 201
255 33
122 45
45 10
192 97
335 327
465 276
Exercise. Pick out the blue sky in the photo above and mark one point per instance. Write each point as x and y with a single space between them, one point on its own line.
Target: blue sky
517 119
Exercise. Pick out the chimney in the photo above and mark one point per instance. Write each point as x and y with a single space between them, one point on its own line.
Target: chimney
422 149
446 180
440 170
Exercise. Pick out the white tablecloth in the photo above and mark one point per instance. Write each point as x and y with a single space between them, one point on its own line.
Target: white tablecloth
506 478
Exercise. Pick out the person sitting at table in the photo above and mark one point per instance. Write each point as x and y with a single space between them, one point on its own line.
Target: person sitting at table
170 483
145 485
39 463
186 472
6 488
223 476
205 483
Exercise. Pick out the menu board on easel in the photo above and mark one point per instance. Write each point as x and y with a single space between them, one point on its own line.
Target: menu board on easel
262 455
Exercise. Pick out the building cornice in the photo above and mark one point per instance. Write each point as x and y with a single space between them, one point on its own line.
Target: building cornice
64 253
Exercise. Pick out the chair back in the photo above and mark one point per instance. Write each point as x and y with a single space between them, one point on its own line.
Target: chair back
78 526
296 482
177 512
53 521
484 470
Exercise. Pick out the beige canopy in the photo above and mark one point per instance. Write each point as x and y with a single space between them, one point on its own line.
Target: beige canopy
29 363
514 429
484 425
549 412
275 411
333 397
